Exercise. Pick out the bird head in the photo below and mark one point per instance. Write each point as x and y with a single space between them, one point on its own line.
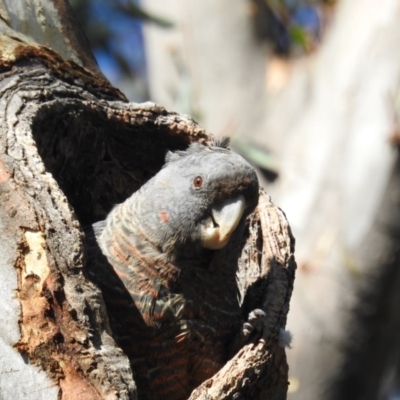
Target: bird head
199 197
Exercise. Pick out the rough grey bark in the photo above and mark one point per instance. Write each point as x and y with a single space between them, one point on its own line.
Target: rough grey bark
70 148
62 325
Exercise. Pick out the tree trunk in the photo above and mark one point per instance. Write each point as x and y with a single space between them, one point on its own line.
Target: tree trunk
70 148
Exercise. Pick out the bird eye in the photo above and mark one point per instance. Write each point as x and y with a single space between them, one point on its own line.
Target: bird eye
198 182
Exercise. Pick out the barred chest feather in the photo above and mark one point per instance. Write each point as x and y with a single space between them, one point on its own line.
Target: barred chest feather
173 320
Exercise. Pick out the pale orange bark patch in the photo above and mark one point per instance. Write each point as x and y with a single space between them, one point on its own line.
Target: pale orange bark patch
4 175
74 386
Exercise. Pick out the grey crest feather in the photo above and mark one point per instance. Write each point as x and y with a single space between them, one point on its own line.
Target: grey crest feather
217 144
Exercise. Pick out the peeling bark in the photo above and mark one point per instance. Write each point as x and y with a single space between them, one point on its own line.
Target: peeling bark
70 149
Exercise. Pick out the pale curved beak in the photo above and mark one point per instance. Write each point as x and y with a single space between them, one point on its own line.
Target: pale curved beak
224 219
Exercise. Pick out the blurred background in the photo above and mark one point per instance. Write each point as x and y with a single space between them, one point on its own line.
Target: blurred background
309 92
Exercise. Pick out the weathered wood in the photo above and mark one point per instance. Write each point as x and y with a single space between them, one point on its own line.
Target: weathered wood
48 23
63 326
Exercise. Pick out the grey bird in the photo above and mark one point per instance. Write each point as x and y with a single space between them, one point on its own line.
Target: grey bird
163 263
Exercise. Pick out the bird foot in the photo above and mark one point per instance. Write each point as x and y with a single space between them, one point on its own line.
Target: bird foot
256 324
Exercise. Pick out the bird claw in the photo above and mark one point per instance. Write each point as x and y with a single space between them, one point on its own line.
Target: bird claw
247 329
256 315
255 322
